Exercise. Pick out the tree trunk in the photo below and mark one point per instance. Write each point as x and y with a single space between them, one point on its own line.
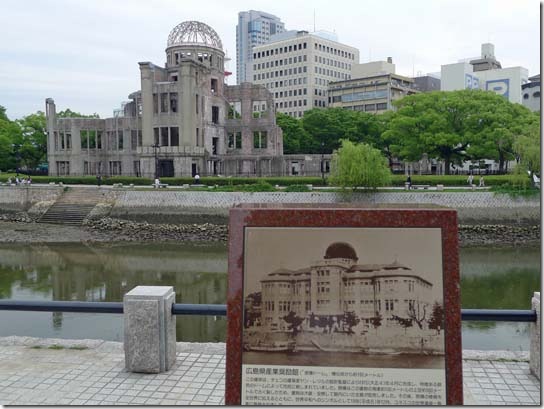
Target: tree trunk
501 162
447 165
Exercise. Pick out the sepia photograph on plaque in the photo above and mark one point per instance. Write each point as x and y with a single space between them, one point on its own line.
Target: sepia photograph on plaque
340 315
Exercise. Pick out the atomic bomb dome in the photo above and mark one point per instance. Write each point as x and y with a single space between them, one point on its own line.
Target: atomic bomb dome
194 33
341 250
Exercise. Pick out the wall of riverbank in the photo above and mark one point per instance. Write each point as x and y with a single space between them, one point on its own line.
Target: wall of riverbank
32 199
196 207
178 206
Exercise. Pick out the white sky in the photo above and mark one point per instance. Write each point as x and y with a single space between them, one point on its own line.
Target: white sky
84 53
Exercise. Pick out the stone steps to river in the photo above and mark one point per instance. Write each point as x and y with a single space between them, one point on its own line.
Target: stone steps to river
72 207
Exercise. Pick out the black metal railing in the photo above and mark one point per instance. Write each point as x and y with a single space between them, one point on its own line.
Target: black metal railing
221 310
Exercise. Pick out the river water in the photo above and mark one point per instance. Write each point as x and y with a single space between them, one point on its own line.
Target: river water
490 278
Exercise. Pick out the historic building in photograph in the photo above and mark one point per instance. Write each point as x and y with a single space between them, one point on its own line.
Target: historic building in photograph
336 285
185 120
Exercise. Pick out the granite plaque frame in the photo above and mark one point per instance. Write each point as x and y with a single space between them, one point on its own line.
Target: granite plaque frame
343 304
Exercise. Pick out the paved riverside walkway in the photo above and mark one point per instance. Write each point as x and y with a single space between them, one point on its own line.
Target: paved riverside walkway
35 371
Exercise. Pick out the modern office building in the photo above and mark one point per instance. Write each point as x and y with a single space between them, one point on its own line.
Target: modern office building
485 73
531 93
338 284
254 28
184 120
297 67
372 88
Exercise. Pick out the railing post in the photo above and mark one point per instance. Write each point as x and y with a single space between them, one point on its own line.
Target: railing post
534 353
150 329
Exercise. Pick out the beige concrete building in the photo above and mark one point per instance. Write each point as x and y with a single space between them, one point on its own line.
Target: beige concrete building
297 67
372 88
185 120
337 284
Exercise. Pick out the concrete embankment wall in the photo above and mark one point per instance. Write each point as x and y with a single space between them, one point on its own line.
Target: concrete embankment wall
195 207
169 206
25 198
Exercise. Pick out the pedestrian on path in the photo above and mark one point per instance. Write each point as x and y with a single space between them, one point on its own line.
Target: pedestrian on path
482 183
99 180
470 179
409 182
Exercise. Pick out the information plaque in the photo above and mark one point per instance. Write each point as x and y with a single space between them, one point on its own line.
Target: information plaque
343 305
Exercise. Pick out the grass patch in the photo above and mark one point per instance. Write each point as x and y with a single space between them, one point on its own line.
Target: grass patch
55 346
78 347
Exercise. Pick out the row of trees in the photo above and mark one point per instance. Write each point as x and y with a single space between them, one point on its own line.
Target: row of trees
453 126
23 142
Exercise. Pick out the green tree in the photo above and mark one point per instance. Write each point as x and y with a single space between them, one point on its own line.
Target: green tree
295 138
359 165
527 145
33 143
454 126
10 134
68 113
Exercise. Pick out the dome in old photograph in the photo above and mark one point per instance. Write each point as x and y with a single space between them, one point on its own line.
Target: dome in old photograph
194 33
341 250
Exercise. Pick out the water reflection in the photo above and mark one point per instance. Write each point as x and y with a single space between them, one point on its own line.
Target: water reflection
104 273
491 278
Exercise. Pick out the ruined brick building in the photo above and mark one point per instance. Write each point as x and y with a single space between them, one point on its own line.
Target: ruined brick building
184 120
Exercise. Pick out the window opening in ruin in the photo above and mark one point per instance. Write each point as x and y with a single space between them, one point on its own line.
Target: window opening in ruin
215 114
120 139
214 85
164 102
164 136
62 146
235 110
156 135
197 137
260 139
136 165
196 104
98 139
133 139
215 143
155 103
174 136
174 102
139 137
230 140
115 167
84 139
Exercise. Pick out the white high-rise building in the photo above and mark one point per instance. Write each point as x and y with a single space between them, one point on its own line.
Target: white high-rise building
485 73
254 28
297 66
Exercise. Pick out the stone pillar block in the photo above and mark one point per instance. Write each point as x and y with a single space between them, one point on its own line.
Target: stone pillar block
150 329
534 353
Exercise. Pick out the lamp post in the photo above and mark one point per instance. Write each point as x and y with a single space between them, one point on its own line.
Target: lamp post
156 147
323 161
